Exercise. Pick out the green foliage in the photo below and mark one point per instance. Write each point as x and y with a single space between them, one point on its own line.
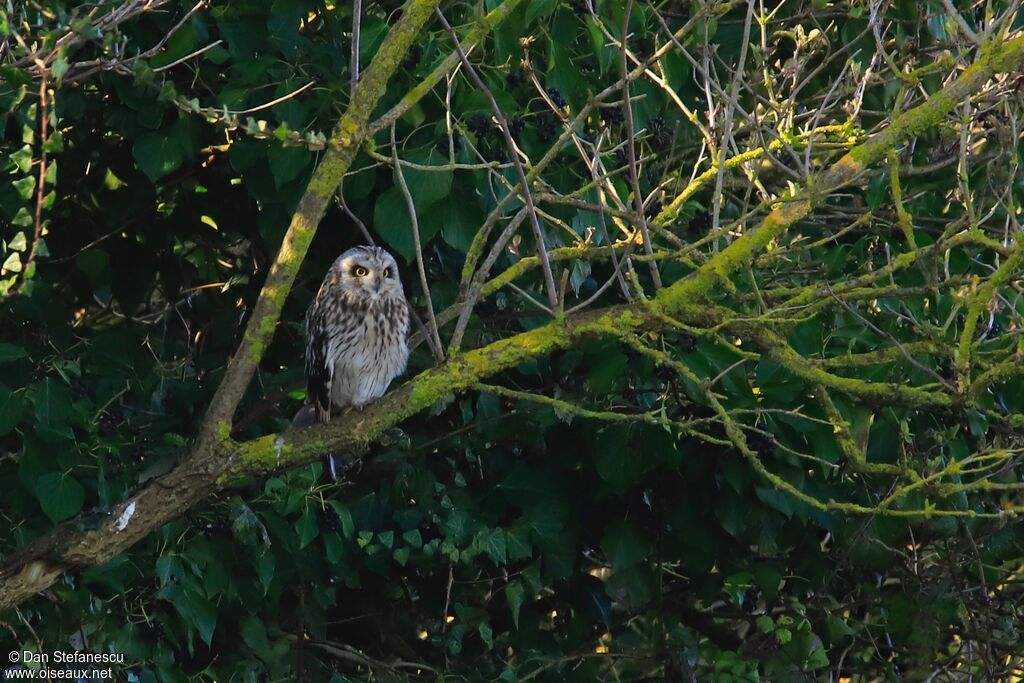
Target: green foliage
621 527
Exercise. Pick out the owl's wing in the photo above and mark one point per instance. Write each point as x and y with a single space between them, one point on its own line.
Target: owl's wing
319 364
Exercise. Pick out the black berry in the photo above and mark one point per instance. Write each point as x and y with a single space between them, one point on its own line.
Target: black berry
114 466
515 126
218 528
547 126
327 519
700 223
613 115
515 78
661 134
784 49
760 444
580 7
442 143
152 630
556 97
109 422
80 390
664 372
479 125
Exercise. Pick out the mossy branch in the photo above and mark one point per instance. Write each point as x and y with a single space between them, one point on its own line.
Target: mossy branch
1011 267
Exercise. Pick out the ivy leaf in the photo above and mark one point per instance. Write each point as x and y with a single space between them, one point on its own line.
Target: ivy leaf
623 546
265 567
307 527
413 538
254 633
13 263
515 594
197 611
333 547
12 406
391 222
493 543
878 189
23 158
59 68
10 353
180 44
55 143
486 634
19 243
459 222
617 463
427 187
25 186
348 527
52 402
539 8
288 162
157 155
60 495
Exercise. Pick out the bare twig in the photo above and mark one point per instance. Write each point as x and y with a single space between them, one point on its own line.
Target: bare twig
431 320
638 198
357 20
953 13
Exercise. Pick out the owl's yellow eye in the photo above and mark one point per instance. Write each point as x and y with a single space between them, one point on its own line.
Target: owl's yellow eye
387 272
361 272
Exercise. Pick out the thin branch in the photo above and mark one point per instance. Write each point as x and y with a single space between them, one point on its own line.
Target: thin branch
638 198
357 20
954 14
411 206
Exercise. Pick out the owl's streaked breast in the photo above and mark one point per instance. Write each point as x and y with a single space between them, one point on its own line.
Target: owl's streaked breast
373 353
366 346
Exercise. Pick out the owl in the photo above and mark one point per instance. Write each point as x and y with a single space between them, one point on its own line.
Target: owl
356 334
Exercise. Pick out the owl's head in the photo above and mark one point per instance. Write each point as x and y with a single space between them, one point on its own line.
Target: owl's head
369 272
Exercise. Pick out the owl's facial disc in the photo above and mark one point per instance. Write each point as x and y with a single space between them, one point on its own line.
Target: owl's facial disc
371 277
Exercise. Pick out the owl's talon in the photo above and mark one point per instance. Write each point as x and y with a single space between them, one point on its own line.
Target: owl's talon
338 471
394 437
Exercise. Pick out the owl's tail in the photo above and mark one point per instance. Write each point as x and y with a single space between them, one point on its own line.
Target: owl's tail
306 417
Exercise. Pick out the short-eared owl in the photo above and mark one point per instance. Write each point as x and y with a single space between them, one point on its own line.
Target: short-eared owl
356 333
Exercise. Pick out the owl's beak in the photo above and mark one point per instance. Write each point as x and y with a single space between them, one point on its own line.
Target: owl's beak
377 282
